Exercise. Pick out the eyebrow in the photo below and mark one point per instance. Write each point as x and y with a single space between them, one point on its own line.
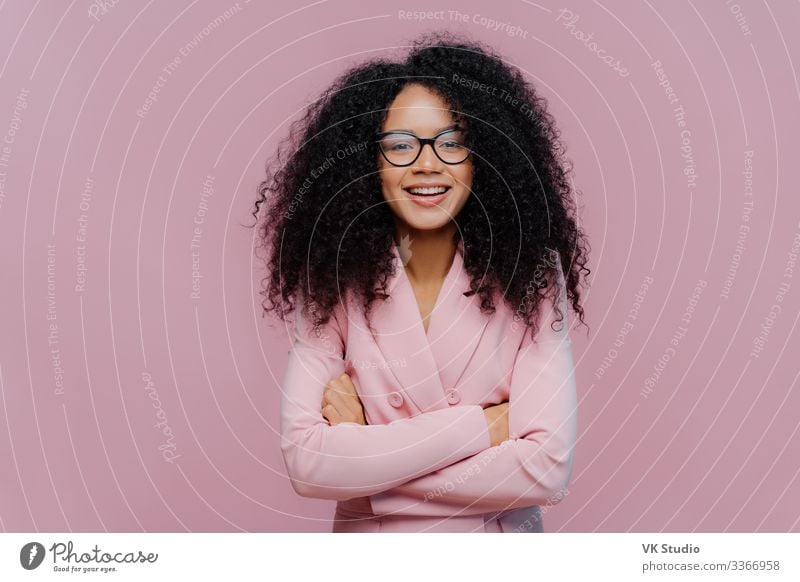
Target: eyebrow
437 132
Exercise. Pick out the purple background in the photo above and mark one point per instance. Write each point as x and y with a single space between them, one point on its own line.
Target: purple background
713 446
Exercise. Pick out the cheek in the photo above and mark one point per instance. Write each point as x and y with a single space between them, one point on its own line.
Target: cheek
390 177
463 174
464 178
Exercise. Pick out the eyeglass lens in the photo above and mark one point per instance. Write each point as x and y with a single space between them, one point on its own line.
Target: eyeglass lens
404 148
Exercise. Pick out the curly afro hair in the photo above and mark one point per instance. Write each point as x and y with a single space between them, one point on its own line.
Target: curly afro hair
328 231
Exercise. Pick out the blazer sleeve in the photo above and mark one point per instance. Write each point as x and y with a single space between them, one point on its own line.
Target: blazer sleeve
534 466
352 460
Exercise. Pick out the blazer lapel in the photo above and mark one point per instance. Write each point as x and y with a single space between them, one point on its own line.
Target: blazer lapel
426 366
456 326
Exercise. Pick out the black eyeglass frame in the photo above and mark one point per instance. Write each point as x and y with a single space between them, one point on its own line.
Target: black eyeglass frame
423 141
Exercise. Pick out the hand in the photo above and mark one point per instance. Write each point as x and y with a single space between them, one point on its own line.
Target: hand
497 418
340 402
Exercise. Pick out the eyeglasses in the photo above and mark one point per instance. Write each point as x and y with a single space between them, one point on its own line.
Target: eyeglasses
402 148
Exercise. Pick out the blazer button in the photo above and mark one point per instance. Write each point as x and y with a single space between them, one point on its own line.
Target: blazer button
453 396
395 399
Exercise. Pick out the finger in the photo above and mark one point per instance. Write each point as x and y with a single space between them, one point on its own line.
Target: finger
331 414
327 393
346 382
348 406
331 391
341 399
342 388
342 394
340 384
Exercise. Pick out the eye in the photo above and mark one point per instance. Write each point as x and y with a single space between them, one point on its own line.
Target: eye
453 140
450 144
397 143
399 146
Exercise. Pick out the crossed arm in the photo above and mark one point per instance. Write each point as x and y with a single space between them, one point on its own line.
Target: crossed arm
349 460
516 472
438 463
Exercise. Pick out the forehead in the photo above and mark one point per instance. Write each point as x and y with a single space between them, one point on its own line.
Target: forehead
416 108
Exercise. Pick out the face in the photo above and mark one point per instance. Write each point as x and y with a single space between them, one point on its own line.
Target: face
427 194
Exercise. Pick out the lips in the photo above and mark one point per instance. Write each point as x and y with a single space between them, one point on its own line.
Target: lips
427 189
428 195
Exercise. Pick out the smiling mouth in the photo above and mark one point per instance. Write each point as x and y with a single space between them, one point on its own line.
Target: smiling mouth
428 191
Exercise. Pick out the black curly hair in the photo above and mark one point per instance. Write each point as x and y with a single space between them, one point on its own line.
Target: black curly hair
328 230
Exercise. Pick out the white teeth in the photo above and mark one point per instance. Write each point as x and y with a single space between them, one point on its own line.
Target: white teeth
428 191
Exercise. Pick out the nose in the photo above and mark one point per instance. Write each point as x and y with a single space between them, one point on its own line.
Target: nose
427 159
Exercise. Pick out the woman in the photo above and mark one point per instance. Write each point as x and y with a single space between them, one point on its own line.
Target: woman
421 219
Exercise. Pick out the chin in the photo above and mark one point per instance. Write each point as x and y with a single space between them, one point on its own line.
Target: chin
423 218
428 224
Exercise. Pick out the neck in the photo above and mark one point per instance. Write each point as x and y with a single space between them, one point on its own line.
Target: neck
427 254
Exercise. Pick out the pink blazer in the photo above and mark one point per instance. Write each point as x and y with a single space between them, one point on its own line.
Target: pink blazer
426 452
